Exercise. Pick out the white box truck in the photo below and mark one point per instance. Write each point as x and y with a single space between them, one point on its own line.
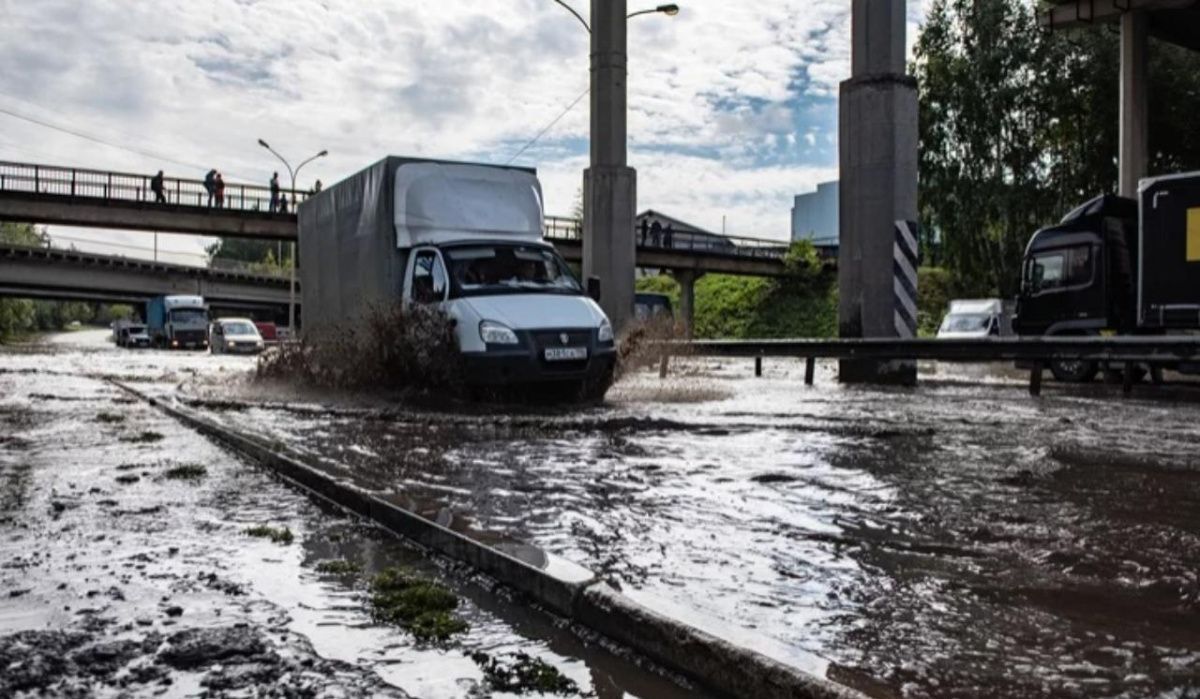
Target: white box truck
468 239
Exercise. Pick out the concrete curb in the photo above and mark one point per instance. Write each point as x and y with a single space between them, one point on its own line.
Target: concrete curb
714 663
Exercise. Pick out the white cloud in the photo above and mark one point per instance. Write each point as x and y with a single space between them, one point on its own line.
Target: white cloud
712 92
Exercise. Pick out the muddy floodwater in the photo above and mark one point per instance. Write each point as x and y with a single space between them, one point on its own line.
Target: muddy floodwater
958 539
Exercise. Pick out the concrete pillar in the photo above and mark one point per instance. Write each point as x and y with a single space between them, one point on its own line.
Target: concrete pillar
1134 159
609 185
687 298
877 144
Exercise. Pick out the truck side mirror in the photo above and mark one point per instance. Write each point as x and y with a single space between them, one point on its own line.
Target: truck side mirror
593 288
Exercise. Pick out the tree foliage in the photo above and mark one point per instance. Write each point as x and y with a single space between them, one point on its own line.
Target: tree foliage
1017 126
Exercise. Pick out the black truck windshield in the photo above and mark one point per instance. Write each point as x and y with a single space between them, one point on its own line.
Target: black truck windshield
189 316
490 269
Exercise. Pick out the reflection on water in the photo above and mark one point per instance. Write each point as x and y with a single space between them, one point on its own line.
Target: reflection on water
957 539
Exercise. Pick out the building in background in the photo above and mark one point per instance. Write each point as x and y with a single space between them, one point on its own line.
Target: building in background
815 216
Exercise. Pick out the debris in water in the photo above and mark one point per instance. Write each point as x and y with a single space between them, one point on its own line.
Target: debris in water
110 418
339 567
144 437
186 472
422 606
522 673
276 535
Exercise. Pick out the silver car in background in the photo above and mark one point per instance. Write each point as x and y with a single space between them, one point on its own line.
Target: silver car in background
234 336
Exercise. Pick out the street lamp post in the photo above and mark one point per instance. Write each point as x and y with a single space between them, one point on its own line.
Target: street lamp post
292 281
609 184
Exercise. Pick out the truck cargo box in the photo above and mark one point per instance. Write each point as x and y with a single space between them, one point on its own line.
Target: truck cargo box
354 235
1169 243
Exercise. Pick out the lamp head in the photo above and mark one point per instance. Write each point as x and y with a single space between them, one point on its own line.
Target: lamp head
670 9
263 144
322 154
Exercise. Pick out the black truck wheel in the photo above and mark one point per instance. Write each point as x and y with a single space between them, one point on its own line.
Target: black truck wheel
1074 371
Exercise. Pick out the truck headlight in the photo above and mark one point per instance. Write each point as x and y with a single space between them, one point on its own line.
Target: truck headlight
605 333
493 333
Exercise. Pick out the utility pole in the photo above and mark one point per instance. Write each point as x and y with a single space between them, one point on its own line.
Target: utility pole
609 185
877 149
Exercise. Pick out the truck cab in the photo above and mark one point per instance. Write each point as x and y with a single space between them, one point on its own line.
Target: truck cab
1078 276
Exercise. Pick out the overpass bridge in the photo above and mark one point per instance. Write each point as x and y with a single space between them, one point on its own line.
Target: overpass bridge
49 273
49 194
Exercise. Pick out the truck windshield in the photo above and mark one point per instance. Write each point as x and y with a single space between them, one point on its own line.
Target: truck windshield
1058 269
189 316
965 322
490 269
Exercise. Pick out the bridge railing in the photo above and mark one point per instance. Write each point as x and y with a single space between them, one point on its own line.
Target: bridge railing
571 229
126 186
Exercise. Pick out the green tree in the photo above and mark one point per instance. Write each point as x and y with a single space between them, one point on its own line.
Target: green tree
253 255
1018 126
17 315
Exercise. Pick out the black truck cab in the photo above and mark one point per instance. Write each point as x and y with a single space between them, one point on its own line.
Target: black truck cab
1078 277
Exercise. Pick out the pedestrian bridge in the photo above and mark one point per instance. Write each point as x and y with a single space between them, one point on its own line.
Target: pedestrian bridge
48 273
49 194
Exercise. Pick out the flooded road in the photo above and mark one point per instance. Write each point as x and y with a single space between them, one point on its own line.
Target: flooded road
960 539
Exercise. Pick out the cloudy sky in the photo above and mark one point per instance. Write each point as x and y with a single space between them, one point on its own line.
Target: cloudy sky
733 105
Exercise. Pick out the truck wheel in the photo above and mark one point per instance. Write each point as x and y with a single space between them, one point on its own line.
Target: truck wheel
1074 371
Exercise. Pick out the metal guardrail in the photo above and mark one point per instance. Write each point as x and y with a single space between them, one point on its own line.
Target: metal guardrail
80 183
571 229
1037 351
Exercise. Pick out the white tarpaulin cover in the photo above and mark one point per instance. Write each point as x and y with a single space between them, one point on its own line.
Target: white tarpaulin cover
442 202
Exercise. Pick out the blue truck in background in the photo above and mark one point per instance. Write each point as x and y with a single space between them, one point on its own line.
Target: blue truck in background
177 322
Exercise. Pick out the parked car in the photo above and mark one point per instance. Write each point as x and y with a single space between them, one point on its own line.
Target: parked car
648 306
969 318
268 331
134 336
234 336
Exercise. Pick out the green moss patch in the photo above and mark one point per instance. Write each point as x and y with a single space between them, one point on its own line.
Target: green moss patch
186 472
422 606
338 567
144 437
110 418
522 673
277 535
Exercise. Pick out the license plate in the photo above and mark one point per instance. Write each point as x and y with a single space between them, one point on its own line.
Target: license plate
565 354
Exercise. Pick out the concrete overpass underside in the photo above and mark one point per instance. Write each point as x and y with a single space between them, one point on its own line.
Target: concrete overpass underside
66 275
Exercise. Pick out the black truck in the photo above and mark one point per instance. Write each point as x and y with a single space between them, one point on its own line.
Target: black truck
1116 266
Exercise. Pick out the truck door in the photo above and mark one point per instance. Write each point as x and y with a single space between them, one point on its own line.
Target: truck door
426 281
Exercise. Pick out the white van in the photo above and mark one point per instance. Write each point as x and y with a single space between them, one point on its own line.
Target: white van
468 239
969 318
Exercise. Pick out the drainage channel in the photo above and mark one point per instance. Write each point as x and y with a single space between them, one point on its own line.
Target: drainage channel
550 583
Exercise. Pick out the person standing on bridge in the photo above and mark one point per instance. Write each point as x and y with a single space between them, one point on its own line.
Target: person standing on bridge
668 235
656 233
210 185
283 204
645 229
274 192
219 186
156 186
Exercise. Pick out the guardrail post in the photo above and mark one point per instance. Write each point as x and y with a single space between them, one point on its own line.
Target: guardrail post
178 200
37 180
662 365
810 368
758 367
1127 383
72 181
1035 378
107 185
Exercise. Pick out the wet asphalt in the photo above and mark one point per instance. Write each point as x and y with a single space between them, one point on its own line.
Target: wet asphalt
959 539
